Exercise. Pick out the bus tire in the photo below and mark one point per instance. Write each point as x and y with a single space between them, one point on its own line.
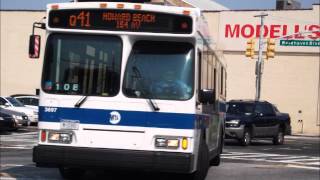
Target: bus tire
71 173
217 159
203 162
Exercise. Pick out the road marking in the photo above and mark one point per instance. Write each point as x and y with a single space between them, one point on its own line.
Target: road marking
290 140
298 160
20 134
27 141
11 165
22 141
257 155
308 162
289 157
303 167
291 149
302 137
15 147
237 153
314 163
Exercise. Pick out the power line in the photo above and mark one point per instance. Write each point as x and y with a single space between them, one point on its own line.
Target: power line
284 19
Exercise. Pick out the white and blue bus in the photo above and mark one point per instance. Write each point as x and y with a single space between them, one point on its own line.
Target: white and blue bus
129 85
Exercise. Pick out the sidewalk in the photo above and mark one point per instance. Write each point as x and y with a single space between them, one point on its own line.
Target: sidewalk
302 136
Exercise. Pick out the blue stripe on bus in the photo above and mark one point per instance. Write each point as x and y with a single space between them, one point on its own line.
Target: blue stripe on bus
128 118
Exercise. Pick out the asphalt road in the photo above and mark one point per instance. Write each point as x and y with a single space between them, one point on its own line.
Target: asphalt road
297 159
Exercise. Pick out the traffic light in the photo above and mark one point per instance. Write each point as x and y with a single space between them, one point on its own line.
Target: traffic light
271 46
250 48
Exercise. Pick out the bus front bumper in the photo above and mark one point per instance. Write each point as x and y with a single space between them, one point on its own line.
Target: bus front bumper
58 156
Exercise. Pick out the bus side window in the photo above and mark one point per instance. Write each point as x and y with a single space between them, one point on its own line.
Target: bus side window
199 69
214 73
204 71
221 81
209 65
225 83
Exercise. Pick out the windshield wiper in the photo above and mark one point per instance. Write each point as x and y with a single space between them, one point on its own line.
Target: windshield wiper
81 101
153 105
151 102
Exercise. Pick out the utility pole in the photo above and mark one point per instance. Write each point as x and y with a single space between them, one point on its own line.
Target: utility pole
260 60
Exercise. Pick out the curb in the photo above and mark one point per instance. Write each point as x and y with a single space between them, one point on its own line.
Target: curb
302 137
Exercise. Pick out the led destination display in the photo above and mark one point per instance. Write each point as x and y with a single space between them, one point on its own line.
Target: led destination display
120 20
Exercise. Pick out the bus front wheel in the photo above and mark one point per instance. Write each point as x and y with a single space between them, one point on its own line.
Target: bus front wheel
203 163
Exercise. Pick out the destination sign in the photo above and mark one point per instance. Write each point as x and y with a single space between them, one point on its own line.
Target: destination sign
120 20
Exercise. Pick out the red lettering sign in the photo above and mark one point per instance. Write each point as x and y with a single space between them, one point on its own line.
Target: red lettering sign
272 31
232 33
314 35
247 31
266 31
275 31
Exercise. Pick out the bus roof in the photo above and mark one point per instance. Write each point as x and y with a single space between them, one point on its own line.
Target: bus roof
120 5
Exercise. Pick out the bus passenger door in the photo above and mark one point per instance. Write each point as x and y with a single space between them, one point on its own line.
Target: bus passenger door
206 98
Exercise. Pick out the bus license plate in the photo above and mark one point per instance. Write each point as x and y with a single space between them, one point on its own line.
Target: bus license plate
69 124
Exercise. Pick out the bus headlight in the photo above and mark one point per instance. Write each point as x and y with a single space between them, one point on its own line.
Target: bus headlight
60 137
167 142
161 142
173 143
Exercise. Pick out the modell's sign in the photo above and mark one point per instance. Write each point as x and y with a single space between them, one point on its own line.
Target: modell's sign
272 31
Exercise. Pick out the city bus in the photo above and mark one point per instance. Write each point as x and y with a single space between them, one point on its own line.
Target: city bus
129 86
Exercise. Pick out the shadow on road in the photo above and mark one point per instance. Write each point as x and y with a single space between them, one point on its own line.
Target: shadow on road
32 172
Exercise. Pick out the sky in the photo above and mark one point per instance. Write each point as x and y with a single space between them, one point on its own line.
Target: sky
231 4
260 4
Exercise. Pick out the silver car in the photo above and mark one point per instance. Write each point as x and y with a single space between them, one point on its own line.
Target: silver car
19 119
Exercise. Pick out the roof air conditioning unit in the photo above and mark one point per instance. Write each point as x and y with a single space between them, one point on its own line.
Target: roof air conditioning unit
288 4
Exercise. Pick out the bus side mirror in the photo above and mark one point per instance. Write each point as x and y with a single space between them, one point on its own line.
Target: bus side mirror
206 96
34 46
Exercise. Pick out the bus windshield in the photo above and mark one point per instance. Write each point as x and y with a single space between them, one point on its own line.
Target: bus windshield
82 65
160 70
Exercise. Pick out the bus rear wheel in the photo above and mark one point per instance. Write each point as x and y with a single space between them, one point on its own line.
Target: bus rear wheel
71 173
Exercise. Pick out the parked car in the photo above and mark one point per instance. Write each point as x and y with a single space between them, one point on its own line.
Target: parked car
249 119
28 100
12 120
15 105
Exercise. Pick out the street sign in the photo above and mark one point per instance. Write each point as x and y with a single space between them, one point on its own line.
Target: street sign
299 43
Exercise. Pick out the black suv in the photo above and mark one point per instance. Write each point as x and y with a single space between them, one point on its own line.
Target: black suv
248 119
